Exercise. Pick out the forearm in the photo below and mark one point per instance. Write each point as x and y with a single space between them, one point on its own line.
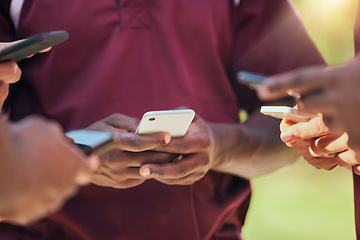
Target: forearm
251 149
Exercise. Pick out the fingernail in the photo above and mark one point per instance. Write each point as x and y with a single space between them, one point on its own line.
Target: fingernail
286 137
145 172
167 139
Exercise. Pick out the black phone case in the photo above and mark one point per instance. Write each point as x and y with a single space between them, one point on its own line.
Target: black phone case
32 45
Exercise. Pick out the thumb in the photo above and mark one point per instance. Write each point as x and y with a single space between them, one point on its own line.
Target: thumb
306 130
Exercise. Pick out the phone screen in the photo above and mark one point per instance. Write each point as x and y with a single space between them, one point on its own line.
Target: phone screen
90 140
252 80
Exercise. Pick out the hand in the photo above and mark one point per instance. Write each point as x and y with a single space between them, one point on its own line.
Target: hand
318 145
41 171
333 92
120 161
195 160
9 73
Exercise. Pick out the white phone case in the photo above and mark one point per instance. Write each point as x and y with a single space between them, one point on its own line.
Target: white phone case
284 112
174 122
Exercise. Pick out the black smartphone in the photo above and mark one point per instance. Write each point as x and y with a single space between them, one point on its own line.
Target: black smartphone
252 80
90 140
32 45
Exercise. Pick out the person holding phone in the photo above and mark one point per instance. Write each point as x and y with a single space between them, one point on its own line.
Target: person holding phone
333 92
131 57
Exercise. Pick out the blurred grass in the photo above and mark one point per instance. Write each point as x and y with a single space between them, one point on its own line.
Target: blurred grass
300 202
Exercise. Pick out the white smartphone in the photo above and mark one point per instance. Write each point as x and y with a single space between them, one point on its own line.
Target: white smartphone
284 112
174 122
90 140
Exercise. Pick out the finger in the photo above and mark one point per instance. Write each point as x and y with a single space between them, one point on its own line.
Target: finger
330 144
197 139
105 181
285 124
4 91
45 50
9 72
120 175
322 163
302 80
175 170
347 158
304 149
87 168
187 145
188 180
327 162
116 158
120 121
305 130
318 102
116 122
136 143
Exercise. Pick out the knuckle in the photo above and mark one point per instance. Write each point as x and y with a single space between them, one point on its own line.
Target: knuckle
183 145
205 143
295 131
319 125
181 172
171 182
136 142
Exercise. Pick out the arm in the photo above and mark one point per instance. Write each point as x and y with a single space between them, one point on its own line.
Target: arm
247 150
254 150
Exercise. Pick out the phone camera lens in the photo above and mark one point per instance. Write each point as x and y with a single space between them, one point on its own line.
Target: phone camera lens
151 119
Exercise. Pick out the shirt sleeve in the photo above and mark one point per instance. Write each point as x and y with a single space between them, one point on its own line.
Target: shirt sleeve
270 38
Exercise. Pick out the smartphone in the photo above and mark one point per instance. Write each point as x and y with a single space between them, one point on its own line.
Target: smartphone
284 112
252 80
32 45
174 122
90 140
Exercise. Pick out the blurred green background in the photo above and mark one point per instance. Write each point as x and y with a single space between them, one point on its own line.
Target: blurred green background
301 202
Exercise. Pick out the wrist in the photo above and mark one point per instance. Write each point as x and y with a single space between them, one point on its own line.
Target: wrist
225 144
